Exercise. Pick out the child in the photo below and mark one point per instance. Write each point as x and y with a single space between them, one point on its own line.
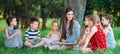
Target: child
106 20
52 37
13 36
85 31
96 38
32 35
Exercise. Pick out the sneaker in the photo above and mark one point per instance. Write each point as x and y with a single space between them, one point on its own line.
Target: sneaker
77 47
50 48
45 46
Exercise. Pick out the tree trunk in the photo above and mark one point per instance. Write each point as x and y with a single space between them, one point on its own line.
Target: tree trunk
5 13
24 22
45 14
78 7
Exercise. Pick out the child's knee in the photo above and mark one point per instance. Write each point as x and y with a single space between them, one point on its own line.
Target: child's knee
27 43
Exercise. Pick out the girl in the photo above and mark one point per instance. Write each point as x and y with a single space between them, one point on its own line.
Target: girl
96 38
84 32
52 37
106 20
70 28
13 36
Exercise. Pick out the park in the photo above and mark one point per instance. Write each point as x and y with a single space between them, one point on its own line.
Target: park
47 11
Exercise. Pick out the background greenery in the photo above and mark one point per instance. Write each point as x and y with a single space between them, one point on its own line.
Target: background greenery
44 9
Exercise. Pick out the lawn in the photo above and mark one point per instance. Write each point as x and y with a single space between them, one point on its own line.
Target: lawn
41 50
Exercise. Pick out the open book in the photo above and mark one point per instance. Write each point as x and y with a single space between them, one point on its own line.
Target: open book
60 43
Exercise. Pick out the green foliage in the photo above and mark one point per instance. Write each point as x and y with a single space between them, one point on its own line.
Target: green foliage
104 6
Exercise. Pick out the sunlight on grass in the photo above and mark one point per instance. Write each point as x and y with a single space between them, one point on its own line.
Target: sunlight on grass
118 42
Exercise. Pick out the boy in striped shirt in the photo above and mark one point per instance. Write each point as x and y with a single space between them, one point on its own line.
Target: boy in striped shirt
32 35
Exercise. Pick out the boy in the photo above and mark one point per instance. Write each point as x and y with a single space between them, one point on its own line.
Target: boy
32 35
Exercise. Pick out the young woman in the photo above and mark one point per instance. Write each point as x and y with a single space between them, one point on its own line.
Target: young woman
84 32
70 28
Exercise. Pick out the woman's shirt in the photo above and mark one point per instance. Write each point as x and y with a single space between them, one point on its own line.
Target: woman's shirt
75 32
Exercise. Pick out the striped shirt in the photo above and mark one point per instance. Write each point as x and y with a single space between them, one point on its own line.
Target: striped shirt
31 34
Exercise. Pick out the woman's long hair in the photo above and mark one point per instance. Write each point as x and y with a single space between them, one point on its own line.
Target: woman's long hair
64 22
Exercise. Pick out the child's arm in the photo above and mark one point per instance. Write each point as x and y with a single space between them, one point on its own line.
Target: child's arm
84 37
37 38
106 31
8 36
59 36
48 35
26 39
93 30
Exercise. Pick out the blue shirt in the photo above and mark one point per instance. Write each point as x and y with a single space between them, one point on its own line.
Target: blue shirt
75 32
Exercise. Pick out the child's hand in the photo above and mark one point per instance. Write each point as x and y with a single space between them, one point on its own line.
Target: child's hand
26 39
17 32
81 42
35 38
39 39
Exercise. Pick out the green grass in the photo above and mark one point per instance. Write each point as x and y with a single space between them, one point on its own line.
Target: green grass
41 50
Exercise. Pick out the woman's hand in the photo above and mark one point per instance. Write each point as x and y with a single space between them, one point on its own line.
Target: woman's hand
63 41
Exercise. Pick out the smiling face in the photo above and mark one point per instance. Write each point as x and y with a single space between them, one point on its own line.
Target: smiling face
34 25
55 26
105 21
13 22
69 15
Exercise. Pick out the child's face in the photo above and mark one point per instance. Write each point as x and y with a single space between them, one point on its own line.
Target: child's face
88 22
34 25
105 21
69 15
55 26
14 22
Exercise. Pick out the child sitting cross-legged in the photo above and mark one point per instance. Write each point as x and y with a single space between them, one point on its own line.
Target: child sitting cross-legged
51 38
32 35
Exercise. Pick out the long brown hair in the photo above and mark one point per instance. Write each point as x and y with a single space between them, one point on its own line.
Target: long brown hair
89 17
108 17
95 19
64 22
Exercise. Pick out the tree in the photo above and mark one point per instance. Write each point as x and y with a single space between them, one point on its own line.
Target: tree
78 7
50 8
